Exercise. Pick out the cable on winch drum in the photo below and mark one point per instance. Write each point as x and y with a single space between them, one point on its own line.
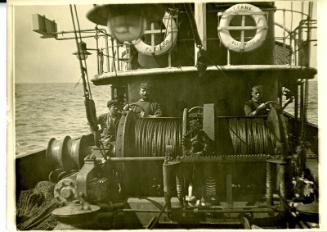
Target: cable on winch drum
152 135
250 136
145 137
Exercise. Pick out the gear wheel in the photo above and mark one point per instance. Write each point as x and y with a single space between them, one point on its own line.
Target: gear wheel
65 191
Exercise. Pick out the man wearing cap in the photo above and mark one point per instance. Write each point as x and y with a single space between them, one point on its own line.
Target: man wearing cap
109 122
144 106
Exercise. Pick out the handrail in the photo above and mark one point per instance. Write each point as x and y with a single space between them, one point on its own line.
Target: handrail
121 58
293 11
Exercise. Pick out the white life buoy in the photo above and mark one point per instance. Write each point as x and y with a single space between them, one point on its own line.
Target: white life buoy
261 28
165 45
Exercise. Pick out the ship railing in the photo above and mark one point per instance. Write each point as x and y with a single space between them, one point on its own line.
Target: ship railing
299 41
113 56
294 44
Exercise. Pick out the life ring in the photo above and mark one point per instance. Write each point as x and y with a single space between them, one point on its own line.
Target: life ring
165 45
261 28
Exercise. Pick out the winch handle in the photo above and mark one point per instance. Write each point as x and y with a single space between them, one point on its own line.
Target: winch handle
133 107
197 109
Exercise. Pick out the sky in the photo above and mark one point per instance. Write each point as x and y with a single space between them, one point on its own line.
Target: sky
47 60
50 60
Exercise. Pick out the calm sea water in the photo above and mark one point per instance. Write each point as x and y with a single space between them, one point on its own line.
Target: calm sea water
45 111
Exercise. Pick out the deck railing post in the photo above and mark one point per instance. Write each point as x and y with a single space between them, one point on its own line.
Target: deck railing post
107 53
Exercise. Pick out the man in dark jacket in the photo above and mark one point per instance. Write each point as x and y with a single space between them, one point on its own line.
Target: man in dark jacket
109 122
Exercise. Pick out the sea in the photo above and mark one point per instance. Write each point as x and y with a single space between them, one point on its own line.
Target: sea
52 110
55 110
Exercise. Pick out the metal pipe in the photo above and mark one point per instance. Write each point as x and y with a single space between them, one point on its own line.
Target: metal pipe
221 158
83 37
296 103
301 48
291 50
97 48
108 55
291 16
129 52
113 55
295 49
117 51
229 187
282 185
228 57
168 175
284 26
302 9
269 191
302 110
295 11
212 210
125 159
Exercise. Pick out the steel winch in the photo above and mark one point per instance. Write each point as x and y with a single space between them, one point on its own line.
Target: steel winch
169 156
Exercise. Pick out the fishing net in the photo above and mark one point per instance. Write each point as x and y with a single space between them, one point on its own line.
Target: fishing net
34 208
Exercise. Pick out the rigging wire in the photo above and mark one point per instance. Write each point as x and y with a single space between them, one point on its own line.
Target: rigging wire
89 103
86 93
84 61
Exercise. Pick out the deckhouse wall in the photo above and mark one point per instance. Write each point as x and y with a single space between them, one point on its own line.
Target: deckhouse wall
227 92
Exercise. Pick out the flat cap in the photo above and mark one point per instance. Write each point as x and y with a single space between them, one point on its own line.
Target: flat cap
146 85
112 102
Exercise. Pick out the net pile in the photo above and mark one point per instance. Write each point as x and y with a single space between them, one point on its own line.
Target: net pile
34 208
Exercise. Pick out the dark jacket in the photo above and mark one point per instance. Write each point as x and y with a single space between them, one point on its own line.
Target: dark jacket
109 127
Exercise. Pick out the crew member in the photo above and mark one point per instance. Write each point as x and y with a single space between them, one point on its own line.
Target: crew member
109 123
145 107
289 97
255 106
198 143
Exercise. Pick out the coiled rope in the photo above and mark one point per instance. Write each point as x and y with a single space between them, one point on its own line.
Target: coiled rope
152 135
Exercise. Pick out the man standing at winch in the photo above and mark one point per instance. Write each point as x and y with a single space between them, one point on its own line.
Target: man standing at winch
145 107
255 106
109 123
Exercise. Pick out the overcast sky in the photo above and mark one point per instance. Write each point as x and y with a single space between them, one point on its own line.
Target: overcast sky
47 60
50 60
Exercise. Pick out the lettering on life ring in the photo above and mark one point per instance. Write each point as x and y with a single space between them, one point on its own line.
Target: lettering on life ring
261 28
165 45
